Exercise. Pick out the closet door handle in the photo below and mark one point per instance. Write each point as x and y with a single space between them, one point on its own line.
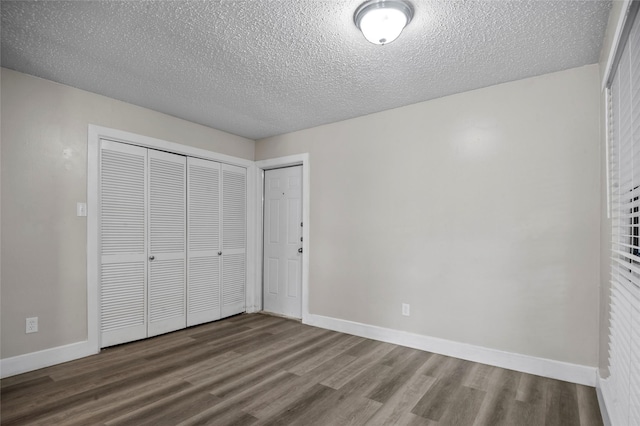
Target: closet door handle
219 253
151 257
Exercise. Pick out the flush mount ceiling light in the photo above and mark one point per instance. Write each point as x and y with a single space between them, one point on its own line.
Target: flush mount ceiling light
382 21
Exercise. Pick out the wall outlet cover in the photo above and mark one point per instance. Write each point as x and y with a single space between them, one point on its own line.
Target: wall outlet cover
32 325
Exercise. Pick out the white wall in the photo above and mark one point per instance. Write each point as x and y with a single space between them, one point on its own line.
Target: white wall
481 210
44 174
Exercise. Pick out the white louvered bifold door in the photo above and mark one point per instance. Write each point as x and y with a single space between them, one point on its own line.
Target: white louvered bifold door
234 226
167 242
203 241
123 181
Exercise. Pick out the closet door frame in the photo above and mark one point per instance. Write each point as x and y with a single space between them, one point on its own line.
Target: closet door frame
95 134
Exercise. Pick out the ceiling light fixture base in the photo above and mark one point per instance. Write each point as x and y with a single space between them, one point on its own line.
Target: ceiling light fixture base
382 21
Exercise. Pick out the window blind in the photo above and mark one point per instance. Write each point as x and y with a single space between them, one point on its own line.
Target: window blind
622 389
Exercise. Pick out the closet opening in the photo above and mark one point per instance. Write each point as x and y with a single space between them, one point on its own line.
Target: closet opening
167 234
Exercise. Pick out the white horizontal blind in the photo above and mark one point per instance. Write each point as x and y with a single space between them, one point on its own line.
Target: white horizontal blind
622 390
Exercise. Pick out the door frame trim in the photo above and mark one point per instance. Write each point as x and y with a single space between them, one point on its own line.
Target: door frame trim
277 163
95 133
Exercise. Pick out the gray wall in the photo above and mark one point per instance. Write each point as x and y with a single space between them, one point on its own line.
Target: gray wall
44 174
480 209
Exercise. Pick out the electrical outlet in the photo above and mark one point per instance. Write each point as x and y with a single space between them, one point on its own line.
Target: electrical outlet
81 209
405 309
32 325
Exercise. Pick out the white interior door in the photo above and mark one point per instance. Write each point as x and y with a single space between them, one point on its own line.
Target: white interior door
167 242
123 269
282 286
203 236
234 239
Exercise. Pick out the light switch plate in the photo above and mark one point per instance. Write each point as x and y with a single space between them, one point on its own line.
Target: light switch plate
81 209
405 309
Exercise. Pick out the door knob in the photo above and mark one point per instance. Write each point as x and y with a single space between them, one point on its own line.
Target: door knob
300 250
219 253
151 257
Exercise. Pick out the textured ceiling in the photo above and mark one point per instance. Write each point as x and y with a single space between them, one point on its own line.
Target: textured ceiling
259 68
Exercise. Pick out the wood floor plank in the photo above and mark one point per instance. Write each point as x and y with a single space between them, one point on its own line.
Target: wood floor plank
479 377
368 379
245 365
439 397
231 418
588 406
168 411
532 389
398 355
35 410
77 383
268 404
229 408
104 409
307 407
399 375
13 391
503 390
373 355
264 370
132 398
260 369
437 366
562 404
354 411
464 407
23 378
401 402
346 343
410 419
105 381
525 414
344 400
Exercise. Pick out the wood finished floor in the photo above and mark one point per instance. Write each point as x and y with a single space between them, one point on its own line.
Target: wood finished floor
262 370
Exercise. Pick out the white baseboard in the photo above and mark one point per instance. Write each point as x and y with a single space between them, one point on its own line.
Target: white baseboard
560 370
45 358
251 309
600 383
528 364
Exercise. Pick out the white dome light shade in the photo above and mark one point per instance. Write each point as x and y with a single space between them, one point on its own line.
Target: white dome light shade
382 21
